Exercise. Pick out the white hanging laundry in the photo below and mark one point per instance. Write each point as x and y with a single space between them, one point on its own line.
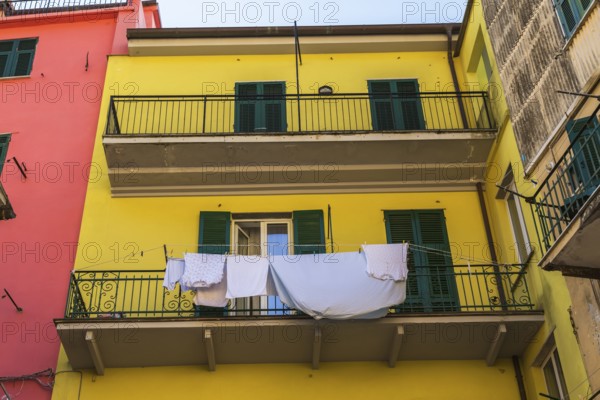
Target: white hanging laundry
248 276
213 296
173 273
334 286
387 261
202 270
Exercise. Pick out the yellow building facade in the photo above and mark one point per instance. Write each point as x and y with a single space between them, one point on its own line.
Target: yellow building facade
207 125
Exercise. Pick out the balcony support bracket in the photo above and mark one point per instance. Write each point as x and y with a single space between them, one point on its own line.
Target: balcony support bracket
210 350
496 345
92 344
316 356
396 346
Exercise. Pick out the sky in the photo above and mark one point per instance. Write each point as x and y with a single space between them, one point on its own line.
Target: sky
195 13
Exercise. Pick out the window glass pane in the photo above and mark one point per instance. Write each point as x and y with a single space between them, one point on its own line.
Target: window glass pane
551 382
3 62
521 244
561 376
27 44
6 46
277 239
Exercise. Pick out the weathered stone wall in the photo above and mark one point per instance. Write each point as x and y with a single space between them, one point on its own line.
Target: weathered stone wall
528 44
585 314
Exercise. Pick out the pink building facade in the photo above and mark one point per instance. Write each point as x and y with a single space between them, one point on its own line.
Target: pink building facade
52 71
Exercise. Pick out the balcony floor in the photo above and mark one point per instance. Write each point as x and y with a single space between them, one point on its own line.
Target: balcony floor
123 343
575 253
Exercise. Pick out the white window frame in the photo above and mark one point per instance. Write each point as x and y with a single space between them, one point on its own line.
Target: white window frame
261 301
522 225
560 379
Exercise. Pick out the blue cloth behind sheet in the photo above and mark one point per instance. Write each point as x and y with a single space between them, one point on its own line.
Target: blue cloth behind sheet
334 286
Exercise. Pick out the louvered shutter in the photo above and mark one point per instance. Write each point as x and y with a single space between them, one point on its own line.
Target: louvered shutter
431 285
214 232
400 229
585 166
567 14
382 106
309 232
410 105
246 104
274 107
442 285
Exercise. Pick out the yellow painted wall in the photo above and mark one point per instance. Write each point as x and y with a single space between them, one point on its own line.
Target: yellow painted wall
548 289
457 380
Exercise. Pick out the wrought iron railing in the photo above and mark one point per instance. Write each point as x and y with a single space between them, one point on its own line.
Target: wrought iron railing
11 8
140 294
574 178
307 113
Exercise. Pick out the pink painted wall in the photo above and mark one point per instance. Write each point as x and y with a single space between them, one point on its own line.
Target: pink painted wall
53 116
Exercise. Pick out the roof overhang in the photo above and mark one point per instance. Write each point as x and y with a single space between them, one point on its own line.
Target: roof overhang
280 40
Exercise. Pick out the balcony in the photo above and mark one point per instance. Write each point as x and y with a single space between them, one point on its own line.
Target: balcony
117 319
567 208
13 8
339 143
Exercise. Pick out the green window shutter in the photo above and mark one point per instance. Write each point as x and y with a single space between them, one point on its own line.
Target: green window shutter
260 107
442 285
382 106
568 15
584 169
410 105
396 105
309 232
4 140
431 284
214 232
400 229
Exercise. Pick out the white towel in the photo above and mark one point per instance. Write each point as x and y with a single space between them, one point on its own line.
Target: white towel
248 276
213 296
202 270
387 261
173 273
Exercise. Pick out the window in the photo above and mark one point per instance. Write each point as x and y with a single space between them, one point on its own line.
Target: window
396 105
260 107
298 232
16 57
553 374
515 214
430 284
570 13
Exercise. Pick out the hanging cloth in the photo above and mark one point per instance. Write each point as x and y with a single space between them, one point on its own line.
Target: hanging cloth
387 261
334 286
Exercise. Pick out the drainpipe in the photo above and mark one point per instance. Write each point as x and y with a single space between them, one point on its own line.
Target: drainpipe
461 106
490 240
519 376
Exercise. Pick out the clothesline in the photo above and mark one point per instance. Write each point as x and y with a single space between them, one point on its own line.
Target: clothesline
414 247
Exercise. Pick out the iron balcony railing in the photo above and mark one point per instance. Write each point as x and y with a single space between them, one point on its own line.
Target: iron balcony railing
570 183
11 8
306 113
140 294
